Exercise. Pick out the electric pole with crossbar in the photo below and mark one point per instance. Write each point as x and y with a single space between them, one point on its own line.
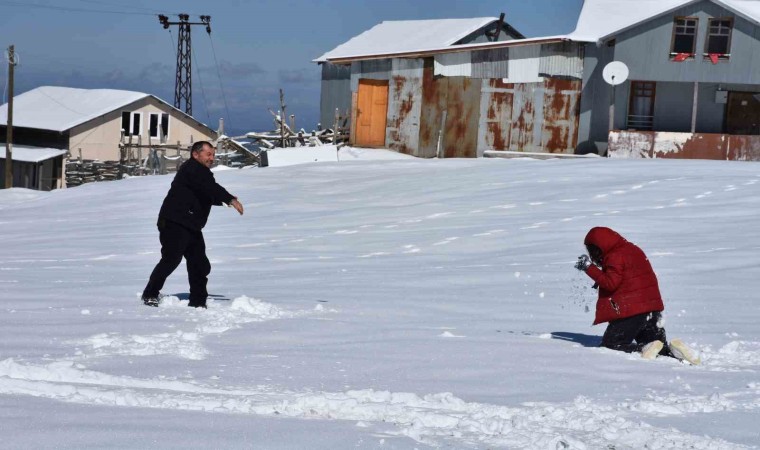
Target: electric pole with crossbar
183 87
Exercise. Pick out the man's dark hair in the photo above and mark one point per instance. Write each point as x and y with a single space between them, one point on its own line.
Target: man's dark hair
198 146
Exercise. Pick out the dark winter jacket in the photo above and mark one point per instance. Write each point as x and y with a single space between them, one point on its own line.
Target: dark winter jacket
191 195
627 284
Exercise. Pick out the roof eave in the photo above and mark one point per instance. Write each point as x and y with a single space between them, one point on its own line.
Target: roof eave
454 49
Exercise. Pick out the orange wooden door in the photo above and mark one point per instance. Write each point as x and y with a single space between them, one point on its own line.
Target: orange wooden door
372 109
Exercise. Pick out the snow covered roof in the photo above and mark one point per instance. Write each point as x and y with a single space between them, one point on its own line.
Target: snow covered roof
30 154
602 18
407 35
62 108
428 51
59 108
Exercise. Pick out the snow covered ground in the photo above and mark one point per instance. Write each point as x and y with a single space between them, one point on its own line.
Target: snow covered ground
281 157
382 304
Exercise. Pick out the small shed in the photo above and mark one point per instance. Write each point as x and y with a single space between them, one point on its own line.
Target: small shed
460 99
398 36
34 167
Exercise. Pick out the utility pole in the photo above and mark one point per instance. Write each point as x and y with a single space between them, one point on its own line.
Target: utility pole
183 86
282 119
9 125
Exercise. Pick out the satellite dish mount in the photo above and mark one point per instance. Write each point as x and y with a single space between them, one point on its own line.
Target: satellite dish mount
614 73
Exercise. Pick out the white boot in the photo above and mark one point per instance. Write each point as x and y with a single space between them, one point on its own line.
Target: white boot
680 350
651 350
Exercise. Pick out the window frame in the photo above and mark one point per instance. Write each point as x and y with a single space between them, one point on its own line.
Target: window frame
693 52
159 123
721 56
132 115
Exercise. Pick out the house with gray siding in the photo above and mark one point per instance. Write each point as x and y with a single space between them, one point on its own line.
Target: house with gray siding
693 88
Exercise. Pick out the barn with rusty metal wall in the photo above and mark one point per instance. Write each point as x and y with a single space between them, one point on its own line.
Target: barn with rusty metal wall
519 95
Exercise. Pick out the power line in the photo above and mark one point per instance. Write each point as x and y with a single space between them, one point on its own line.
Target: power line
200 82
174 46
121 5
65 8
224 97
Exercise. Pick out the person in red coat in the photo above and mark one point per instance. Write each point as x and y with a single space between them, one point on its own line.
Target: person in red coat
629 297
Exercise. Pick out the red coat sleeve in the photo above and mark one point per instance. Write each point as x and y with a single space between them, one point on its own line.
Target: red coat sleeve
610 278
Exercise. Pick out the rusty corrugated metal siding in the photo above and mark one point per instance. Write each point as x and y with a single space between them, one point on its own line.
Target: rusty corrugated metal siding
493 63
564 59
463 108
434 91
523 117
529 117
495 115
561 115
467 115
659 144
405 105
744 148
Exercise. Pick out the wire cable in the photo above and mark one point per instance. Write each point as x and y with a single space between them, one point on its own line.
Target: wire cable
65 8
200 82
122 5
219 73
171 42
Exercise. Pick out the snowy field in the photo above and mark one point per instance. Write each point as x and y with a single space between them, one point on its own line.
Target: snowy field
391 304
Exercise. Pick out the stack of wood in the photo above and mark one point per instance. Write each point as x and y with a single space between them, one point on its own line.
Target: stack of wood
80 171
232 153
284 135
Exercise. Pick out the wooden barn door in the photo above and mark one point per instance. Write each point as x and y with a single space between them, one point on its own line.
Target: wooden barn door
372 110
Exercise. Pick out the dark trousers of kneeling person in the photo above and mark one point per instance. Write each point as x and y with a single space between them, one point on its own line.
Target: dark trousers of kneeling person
178 241
642 328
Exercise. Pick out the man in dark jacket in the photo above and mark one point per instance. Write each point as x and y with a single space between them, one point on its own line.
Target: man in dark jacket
182 217
629 297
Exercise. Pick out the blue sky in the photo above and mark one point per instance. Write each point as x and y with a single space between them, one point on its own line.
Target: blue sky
260 46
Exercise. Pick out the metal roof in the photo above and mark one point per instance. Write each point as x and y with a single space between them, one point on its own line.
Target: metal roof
407 35
600 19
25 153
423 52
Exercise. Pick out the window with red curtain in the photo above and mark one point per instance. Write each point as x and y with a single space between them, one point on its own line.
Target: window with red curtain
684 40
718 42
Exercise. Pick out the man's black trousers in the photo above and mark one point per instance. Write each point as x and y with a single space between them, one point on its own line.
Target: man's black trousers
178 241
642 328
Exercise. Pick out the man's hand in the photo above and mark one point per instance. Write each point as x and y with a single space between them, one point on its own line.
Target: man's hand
237 205
584 262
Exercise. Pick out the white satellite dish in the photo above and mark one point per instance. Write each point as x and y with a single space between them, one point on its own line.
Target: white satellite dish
615 73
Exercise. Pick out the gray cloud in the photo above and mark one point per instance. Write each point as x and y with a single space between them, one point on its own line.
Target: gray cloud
234 71
300 76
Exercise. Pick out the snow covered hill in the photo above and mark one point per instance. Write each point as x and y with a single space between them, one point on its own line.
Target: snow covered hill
384 304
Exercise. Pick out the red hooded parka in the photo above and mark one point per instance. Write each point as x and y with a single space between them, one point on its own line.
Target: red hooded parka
627 283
